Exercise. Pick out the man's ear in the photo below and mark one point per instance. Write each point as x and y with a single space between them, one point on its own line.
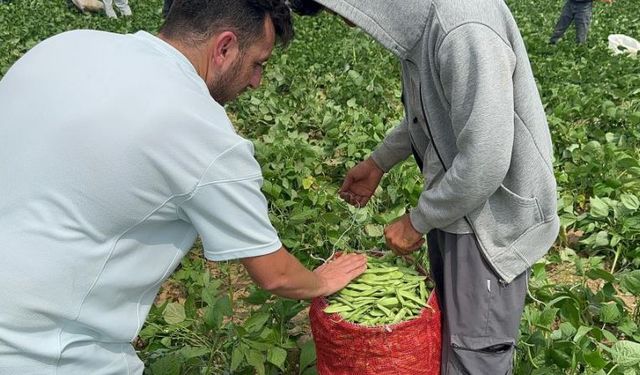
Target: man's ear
225 49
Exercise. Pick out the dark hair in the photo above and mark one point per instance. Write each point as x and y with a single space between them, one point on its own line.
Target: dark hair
197 20
305 7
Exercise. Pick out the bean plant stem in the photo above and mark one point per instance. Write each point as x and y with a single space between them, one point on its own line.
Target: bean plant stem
615 259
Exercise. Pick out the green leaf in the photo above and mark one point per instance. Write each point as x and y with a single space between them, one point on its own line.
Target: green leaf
374 230
214 314
277 356
548 316
609 313
582 331
595 360
166 341
628 326
307 354
256 359
307 182
303 216
568 330
591 148
609 336
570 312
258 297
598 273
631 282
626 353
599 239
598 207
210 292
630 201
189 352
256 321
223 304
261 346
560 358
212 317
174 313
236 356
168 365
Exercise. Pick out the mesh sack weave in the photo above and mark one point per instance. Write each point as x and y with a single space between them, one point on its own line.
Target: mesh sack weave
406 348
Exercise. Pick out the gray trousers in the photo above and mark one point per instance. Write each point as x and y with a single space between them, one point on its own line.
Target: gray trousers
578 13
480 315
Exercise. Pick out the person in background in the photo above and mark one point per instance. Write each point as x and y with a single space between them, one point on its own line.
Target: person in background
122 5
102 198
579 13
476 126
88 5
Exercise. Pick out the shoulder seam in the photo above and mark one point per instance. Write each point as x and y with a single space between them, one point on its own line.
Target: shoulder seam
448 33
199 184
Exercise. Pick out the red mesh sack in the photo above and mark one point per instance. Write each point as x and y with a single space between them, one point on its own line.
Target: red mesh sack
406 348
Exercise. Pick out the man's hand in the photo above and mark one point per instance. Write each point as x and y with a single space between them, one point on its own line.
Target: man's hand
401 237
282 274
361 182
339 272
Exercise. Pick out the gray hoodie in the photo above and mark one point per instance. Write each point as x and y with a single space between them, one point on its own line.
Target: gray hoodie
474 116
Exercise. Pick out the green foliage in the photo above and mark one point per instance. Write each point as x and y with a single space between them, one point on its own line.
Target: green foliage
199 336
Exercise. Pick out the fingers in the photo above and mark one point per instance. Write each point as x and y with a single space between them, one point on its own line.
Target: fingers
354 190
410 249
401 237
339 272
346 184
321 267
418 245
354 199
354 268
346 262
351 262
345 190
352 274
347 197
403 248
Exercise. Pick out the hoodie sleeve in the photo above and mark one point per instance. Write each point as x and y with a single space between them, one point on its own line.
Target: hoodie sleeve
476 68
395 147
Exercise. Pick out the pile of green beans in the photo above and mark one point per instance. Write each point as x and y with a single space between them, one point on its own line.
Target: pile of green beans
390 291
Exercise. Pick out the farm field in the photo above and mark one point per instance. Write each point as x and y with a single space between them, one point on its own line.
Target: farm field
324 105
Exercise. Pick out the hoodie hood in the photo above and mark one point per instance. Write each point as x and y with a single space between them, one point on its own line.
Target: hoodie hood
397 25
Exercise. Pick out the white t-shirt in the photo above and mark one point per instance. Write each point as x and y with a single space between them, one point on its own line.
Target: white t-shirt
113 158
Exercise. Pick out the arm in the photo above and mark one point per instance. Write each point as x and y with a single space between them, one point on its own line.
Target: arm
230 213
395 147
282 274
476 68
363 179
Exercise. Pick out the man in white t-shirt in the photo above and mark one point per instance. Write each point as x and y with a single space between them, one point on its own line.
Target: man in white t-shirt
115 153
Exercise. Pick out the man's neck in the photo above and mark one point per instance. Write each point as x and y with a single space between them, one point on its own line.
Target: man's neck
196 55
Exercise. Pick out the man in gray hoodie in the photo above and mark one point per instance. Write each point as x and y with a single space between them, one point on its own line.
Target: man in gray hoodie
476 126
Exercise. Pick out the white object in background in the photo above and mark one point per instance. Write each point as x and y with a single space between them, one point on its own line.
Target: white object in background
620 43
89 5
